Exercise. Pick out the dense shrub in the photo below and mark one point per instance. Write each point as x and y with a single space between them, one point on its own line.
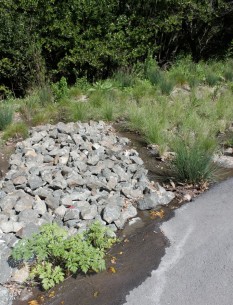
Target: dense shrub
80 38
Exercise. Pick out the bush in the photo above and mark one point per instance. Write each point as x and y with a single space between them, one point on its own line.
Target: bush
6 116
55 255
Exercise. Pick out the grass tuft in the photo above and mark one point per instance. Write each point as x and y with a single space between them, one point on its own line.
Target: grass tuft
192 163
6 116
16 131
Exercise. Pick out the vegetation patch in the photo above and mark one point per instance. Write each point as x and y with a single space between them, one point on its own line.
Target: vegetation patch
53 255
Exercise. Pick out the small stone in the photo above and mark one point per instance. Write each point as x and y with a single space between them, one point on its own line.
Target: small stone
60 211
39 205
19 180
52 202
111 213
187 197
35 182
27 231
27 216
89 212
5 296
21 275
72 213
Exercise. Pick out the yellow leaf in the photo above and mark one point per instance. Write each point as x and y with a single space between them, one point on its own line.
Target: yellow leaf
33 302
96 294
160 214
112 269
52 293
113 260
120 253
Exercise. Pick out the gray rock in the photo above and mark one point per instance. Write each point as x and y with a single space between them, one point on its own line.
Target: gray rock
52 202
81 196
89 212
111 213
35 182
159 196
39 205
21 275
27 231
60 211
27 216
8 202
5 296
19 180
93 160
59 182
5 273
24 203
11 226
129 212
72 214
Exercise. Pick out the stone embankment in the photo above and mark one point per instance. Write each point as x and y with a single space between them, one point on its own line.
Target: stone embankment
72 174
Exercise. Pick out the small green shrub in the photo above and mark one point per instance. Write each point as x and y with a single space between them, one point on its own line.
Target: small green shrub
60 89
56 254
6 116
15 131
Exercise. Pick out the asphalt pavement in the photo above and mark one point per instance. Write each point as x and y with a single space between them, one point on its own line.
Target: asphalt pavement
197 268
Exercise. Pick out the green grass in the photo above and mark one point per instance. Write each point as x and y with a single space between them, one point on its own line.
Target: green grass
198 110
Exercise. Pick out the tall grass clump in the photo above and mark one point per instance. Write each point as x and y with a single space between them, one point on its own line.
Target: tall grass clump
6 116
16 131
124 79
79 111
211 78
166 85
193 161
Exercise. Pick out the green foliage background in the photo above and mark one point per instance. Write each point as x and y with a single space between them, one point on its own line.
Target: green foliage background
47 39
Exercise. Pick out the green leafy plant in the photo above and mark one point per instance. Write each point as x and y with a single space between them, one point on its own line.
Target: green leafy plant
55 254
48 274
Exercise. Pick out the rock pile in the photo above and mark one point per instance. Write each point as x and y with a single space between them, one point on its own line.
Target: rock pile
72 174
